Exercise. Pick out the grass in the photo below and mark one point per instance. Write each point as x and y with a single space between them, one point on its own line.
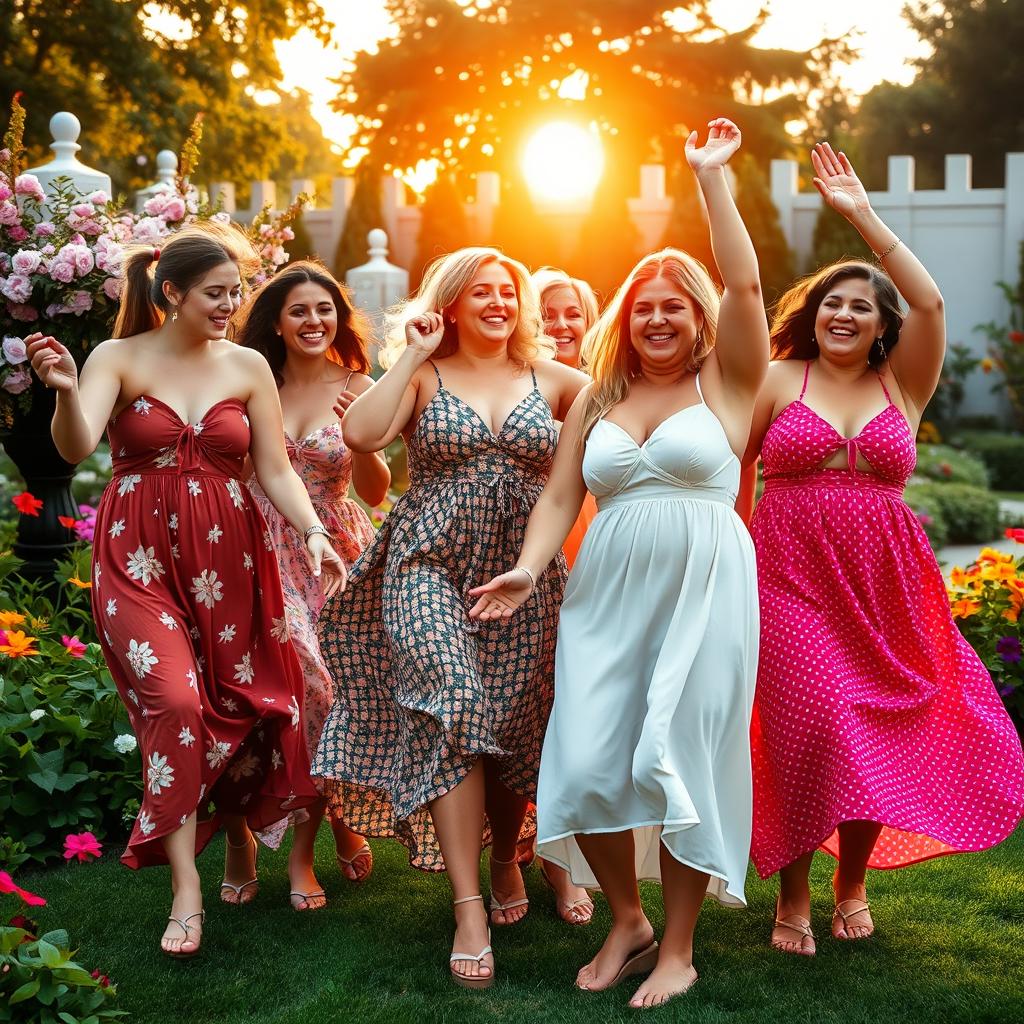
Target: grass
948 949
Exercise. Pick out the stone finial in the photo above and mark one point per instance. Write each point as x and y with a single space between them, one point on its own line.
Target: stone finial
65 129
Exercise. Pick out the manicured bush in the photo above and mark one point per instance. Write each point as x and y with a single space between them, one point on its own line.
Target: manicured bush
971 514
1002 453
929 511
947 465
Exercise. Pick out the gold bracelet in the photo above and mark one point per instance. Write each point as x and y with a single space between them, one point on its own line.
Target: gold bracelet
885 252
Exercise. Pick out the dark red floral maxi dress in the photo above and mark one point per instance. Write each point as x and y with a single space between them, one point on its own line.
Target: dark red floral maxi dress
187 600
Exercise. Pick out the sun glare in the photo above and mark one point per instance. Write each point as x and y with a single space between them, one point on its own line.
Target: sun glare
563 161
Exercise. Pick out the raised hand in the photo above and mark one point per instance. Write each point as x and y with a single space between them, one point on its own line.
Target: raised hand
423 333
52 362
723 140
838 183
326 562
499 598
342 402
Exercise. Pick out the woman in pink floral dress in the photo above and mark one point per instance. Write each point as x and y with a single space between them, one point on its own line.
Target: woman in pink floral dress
315 343
186 592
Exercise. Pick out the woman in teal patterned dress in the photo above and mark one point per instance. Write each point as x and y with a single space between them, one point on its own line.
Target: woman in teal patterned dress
435 735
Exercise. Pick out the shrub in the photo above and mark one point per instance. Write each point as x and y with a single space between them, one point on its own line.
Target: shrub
929 511
947 465
1003 454
971 514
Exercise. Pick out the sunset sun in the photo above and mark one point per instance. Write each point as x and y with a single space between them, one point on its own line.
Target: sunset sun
563 161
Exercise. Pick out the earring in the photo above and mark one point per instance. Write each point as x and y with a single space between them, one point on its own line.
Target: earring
881 349
174 315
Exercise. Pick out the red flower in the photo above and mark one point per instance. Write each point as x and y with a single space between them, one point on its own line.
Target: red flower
1017 337
7 885
27 504
74 646
83 846
25 924
68 522
1015 533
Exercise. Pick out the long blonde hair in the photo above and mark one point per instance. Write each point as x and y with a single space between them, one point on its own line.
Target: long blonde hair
445 280
606 352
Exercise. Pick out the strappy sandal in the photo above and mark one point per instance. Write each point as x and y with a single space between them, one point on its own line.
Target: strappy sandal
305 897
349 863
524 901
845 915
470 981
642 961
239 889
184 925
567 908
802 927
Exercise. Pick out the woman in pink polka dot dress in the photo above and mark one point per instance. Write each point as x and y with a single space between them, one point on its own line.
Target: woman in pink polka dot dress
877 733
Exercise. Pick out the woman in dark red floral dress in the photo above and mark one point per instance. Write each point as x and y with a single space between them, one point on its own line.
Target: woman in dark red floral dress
186 592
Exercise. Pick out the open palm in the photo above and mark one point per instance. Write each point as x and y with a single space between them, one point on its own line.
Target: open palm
837 181
500 597
723 140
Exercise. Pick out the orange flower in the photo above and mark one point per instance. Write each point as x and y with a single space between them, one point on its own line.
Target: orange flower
986 365
965 608
1015 533
27 504
993 556
68 522
8 619
18 645
81 584
958 577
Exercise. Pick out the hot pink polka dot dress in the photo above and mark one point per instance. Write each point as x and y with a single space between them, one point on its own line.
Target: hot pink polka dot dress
870 705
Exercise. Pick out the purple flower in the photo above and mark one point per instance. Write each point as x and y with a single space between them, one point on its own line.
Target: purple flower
1005 691
14 351
1008 648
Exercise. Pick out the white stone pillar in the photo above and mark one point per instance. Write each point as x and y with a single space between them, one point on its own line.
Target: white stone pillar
65 129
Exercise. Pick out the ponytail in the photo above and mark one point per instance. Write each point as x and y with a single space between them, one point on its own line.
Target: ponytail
138 312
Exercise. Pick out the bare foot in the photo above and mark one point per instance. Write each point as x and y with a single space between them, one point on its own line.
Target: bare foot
572 902
240 884
472 937
183 939
852 918
507 886
672 977
355 859
626 939
792 931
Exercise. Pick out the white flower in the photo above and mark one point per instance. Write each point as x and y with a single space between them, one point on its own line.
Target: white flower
160 774
125 743
246 560
194 633
244 767
227 634
185 737
269 700
143 565
142 658
229 704
235 491
116 529
293 707
197 428
172 521
146 824
190 678
112 607
169 620
142 407
215 534
97 572
245 419
175 551
166 458
193 487
126 484
279 629
275 759
218 753
37 714
207 588
133 696
243 670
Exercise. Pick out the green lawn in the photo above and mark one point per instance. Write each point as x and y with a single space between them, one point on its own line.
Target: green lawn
949 948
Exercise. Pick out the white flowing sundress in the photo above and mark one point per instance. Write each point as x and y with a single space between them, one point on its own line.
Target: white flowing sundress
656 660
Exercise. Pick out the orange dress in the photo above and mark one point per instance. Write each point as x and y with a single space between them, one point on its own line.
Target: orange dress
571 547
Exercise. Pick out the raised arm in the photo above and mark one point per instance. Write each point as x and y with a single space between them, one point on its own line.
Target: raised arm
742 342
917 360
381 413
371 475
83 407
550 522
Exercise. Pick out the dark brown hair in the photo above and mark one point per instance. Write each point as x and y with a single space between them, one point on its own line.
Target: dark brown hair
184 259
257 328
792 334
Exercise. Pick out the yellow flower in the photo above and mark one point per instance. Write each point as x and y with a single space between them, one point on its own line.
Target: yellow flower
986 365
993 556
8 619
965 608
39 623
18 645
958 577
81 584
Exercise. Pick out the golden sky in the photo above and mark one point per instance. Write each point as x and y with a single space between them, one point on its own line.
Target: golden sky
885 40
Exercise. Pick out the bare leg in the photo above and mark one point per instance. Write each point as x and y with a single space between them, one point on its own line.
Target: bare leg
301 876
611 858
187 897
505 812
239 861
794 907
683 890
856 841
459 822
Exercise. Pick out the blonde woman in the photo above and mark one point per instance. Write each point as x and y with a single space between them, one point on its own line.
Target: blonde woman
646 765
438 724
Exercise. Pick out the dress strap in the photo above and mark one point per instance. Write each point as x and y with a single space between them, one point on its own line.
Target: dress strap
534 376
807 372
700 394
348 380
440 383
888 397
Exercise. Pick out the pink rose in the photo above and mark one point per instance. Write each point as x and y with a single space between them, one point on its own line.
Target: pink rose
5 191
26 261
149 230
54 310
9 213
44 229
85 225
22 311
99 198
79 303
28 185
48 249
62 271
175 209
78 256
155 205
14 351
112 288
17 288
17 233
17 380
83 209
287 234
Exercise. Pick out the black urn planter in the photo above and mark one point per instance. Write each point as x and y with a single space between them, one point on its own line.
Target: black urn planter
41 540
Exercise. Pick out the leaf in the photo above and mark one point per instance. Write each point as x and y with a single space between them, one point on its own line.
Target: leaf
50 954
27 991
58 937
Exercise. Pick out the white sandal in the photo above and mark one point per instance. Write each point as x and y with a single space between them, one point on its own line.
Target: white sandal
511 904
472 981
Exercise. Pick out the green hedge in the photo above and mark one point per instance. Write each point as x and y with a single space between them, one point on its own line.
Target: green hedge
948 465
1002 453
929 511
969 515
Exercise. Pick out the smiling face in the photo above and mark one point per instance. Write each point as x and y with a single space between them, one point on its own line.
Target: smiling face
487 310
308 322
848 320
564 321
663 324
209 304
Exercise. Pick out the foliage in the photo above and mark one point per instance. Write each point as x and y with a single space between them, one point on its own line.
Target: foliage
519 230
754 200
1006 345
60 766
943 408
987 599
970 514
687 227
443 226
364 214
835 238
948 465
928 509
1002 453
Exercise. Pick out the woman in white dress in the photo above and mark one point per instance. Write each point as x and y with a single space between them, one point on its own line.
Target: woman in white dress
645 772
